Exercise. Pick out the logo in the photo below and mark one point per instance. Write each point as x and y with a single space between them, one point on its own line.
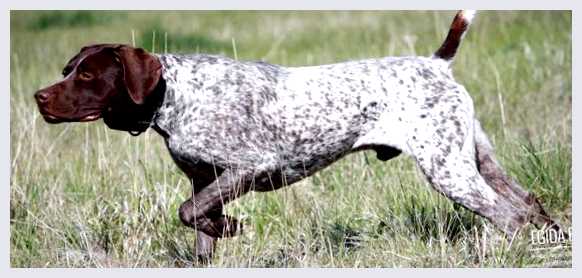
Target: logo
551 248
549 236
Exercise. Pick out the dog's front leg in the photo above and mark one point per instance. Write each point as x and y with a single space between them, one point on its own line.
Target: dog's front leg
203 211
205 246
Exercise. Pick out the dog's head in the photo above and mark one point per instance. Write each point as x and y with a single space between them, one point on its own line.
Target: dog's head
105 80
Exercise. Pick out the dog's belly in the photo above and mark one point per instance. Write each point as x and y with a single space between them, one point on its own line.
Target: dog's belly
263 146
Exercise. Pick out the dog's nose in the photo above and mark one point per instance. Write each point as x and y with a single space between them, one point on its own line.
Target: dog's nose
41 96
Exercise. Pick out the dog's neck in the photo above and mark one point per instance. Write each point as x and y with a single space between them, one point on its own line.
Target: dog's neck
165 115
134 118
180 94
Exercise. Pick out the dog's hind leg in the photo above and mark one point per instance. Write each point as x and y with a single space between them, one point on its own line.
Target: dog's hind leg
446 155
504 185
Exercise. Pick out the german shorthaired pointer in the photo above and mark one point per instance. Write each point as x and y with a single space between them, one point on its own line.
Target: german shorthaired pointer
234 127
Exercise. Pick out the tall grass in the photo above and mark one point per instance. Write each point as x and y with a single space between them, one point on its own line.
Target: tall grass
86 196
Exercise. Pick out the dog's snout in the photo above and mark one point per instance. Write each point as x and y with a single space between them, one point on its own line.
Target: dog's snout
42 96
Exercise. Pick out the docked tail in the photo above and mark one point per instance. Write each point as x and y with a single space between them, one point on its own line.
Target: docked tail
458 28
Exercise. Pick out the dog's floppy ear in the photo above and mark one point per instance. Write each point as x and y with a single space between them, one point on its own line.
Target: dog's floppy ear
141 72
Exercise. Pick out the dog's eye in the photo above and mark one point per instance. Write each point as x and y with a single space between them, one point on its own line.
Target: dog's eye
66 72
85 76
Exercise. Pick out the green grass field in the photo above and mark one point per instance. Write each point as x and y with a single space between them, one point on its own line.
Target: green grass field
82 195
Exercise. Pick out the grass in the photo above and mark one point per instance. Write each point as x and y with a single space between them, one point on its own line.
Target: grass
86 196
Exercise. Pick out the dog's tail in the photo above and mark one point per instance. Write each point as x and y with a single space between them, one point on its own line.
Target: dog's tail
458 28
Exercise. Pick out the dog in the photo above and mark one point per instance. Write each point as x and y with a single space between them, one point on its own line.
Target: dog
234 127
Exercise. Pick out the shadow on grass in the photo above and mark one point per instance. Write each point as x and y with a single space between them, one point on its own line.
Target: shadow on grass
429 223
340 237
280 258
426 221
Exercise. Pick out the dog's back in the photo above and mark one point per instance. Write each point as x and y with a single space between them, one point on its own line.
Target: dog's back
261 116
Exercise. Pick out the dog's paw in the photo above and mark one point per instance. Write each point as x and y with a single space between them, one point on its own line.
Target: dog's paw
232 226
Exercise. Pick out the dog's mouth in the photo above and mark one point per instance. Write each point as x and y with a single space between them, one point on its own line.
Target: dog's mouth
91 117
53 119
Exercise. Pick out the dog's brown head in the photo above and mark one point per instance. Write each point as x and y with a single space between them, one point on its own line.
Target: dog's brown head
105 80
